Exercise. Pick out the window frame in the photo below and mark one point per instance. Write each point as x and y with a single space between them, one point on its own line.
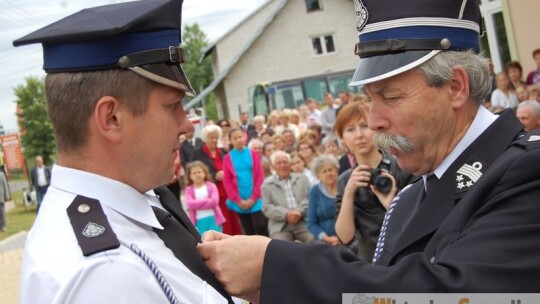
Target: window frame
322 41
308 10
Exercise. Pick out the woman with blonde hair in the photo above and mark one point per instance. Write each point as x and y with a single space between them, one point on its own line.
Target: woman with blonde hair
258 122
307 151
273 121
299 165
296 119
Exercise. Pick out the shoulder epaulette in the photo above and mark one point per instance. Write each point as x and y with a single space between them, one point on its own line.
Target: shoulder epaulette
529 140
91 227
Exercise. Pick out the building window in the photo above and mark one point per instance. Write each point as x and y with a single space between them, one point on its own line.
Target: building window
495 43
323 45
315 88
289 96
313 5
340 83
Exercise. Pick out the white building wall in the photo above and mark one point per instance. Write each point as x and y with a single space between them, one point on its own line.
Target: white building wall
228 46
284 50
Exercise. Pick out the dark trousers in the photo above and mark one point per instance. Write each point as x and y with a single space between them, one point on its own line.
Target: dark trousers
254 223
2 216
40 194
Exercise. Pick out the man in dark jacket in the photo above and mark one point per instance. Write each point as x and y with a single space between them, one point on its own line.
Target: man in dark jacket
470 224
40 178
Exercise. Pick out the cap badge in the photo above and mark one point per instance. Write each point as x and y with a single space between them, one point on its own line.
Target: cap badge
92 230
361 15
468 175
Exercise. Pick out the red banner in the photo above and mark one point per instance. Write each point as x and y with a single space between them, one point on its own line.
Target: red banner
11 145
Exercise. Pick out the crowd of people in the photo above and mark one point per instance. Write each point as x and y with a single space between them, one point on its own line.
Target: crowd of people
511 90
109 231
291 175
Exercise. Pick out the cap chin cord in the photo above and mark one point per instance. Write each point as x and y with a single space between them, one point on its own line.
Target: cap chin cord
173 54
386 46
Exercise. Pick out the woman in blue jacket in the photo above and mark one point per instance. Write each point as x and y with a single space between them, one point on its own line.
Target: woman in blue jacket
322 198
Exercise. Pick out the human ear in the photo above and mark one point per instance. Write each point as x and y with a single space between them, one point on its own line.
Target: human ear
459 87
107 118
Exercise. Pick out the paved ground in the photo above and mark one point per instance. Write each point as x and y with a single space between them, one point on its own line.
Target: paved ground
11 255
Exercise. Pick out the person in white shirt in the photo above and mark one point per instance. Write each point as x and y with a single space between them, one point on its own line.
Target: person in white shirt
328 117
108 230
504 96
314 116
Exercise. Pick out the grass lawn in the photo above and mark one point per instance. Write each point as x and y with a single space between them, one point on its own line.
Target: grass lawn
19 218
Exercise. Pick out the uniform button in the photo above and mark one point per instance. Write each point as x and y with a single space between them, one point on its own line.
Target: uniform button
83 208
432 260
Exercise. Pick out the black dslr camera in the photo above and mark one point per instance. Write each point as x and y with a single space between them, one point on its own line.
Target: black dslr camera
381 182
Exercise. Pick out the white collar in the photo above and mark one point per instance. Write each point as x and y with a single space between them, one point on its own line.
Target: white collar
115 195
483 119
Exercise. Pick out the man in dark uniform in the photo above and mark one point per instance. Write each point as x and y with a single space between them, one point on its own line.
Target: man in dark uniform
248 128
108 231
188 146
470 224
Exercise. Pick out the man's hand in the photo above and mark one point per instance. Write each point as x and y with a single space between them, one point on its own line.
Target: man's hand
331 240
236 261
293 217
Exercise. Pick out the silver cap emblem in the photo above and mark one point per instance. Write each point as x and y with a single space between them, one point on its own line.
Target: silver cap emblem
92 230
361 15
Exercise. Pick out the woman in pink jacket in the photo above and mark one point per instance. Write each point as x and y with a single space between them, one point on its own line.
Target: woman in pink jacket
202 198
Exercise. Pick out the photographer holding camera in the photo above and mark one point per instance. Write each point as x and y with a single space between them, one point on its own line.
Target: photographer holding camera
366 190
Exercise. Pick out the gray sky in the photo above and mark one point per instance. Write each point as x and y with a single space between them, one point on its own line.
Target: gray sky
21 17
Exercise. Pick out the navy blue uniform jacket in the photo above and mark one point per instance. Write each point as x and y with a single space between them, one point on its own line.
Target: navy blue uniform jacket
486 239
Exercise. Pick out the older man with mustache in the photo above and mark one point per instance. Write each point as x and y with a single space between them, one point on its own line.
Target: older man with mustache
470 224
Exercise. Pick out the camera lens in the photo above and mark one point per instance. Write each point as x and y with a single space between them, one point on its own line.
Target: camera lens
383 183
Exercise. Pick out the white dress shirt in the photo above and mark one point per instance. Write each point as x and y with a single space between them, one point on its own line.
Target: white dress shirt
483 119
55 270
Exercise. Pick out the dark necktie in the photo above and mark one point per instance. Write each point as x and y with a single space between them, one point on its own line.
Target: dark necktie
424 192
181 237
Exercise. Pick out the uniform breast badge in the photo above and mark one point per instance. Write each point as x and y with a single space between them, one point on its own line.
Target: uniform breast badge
468 175
93 230
534 138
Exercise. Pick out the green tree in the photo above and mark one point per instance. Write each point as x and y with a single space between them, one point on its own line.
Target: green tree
37 133
200 74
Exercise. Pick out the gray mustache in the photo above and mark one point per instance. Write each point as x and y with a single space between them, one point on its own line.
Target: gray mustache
389 141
